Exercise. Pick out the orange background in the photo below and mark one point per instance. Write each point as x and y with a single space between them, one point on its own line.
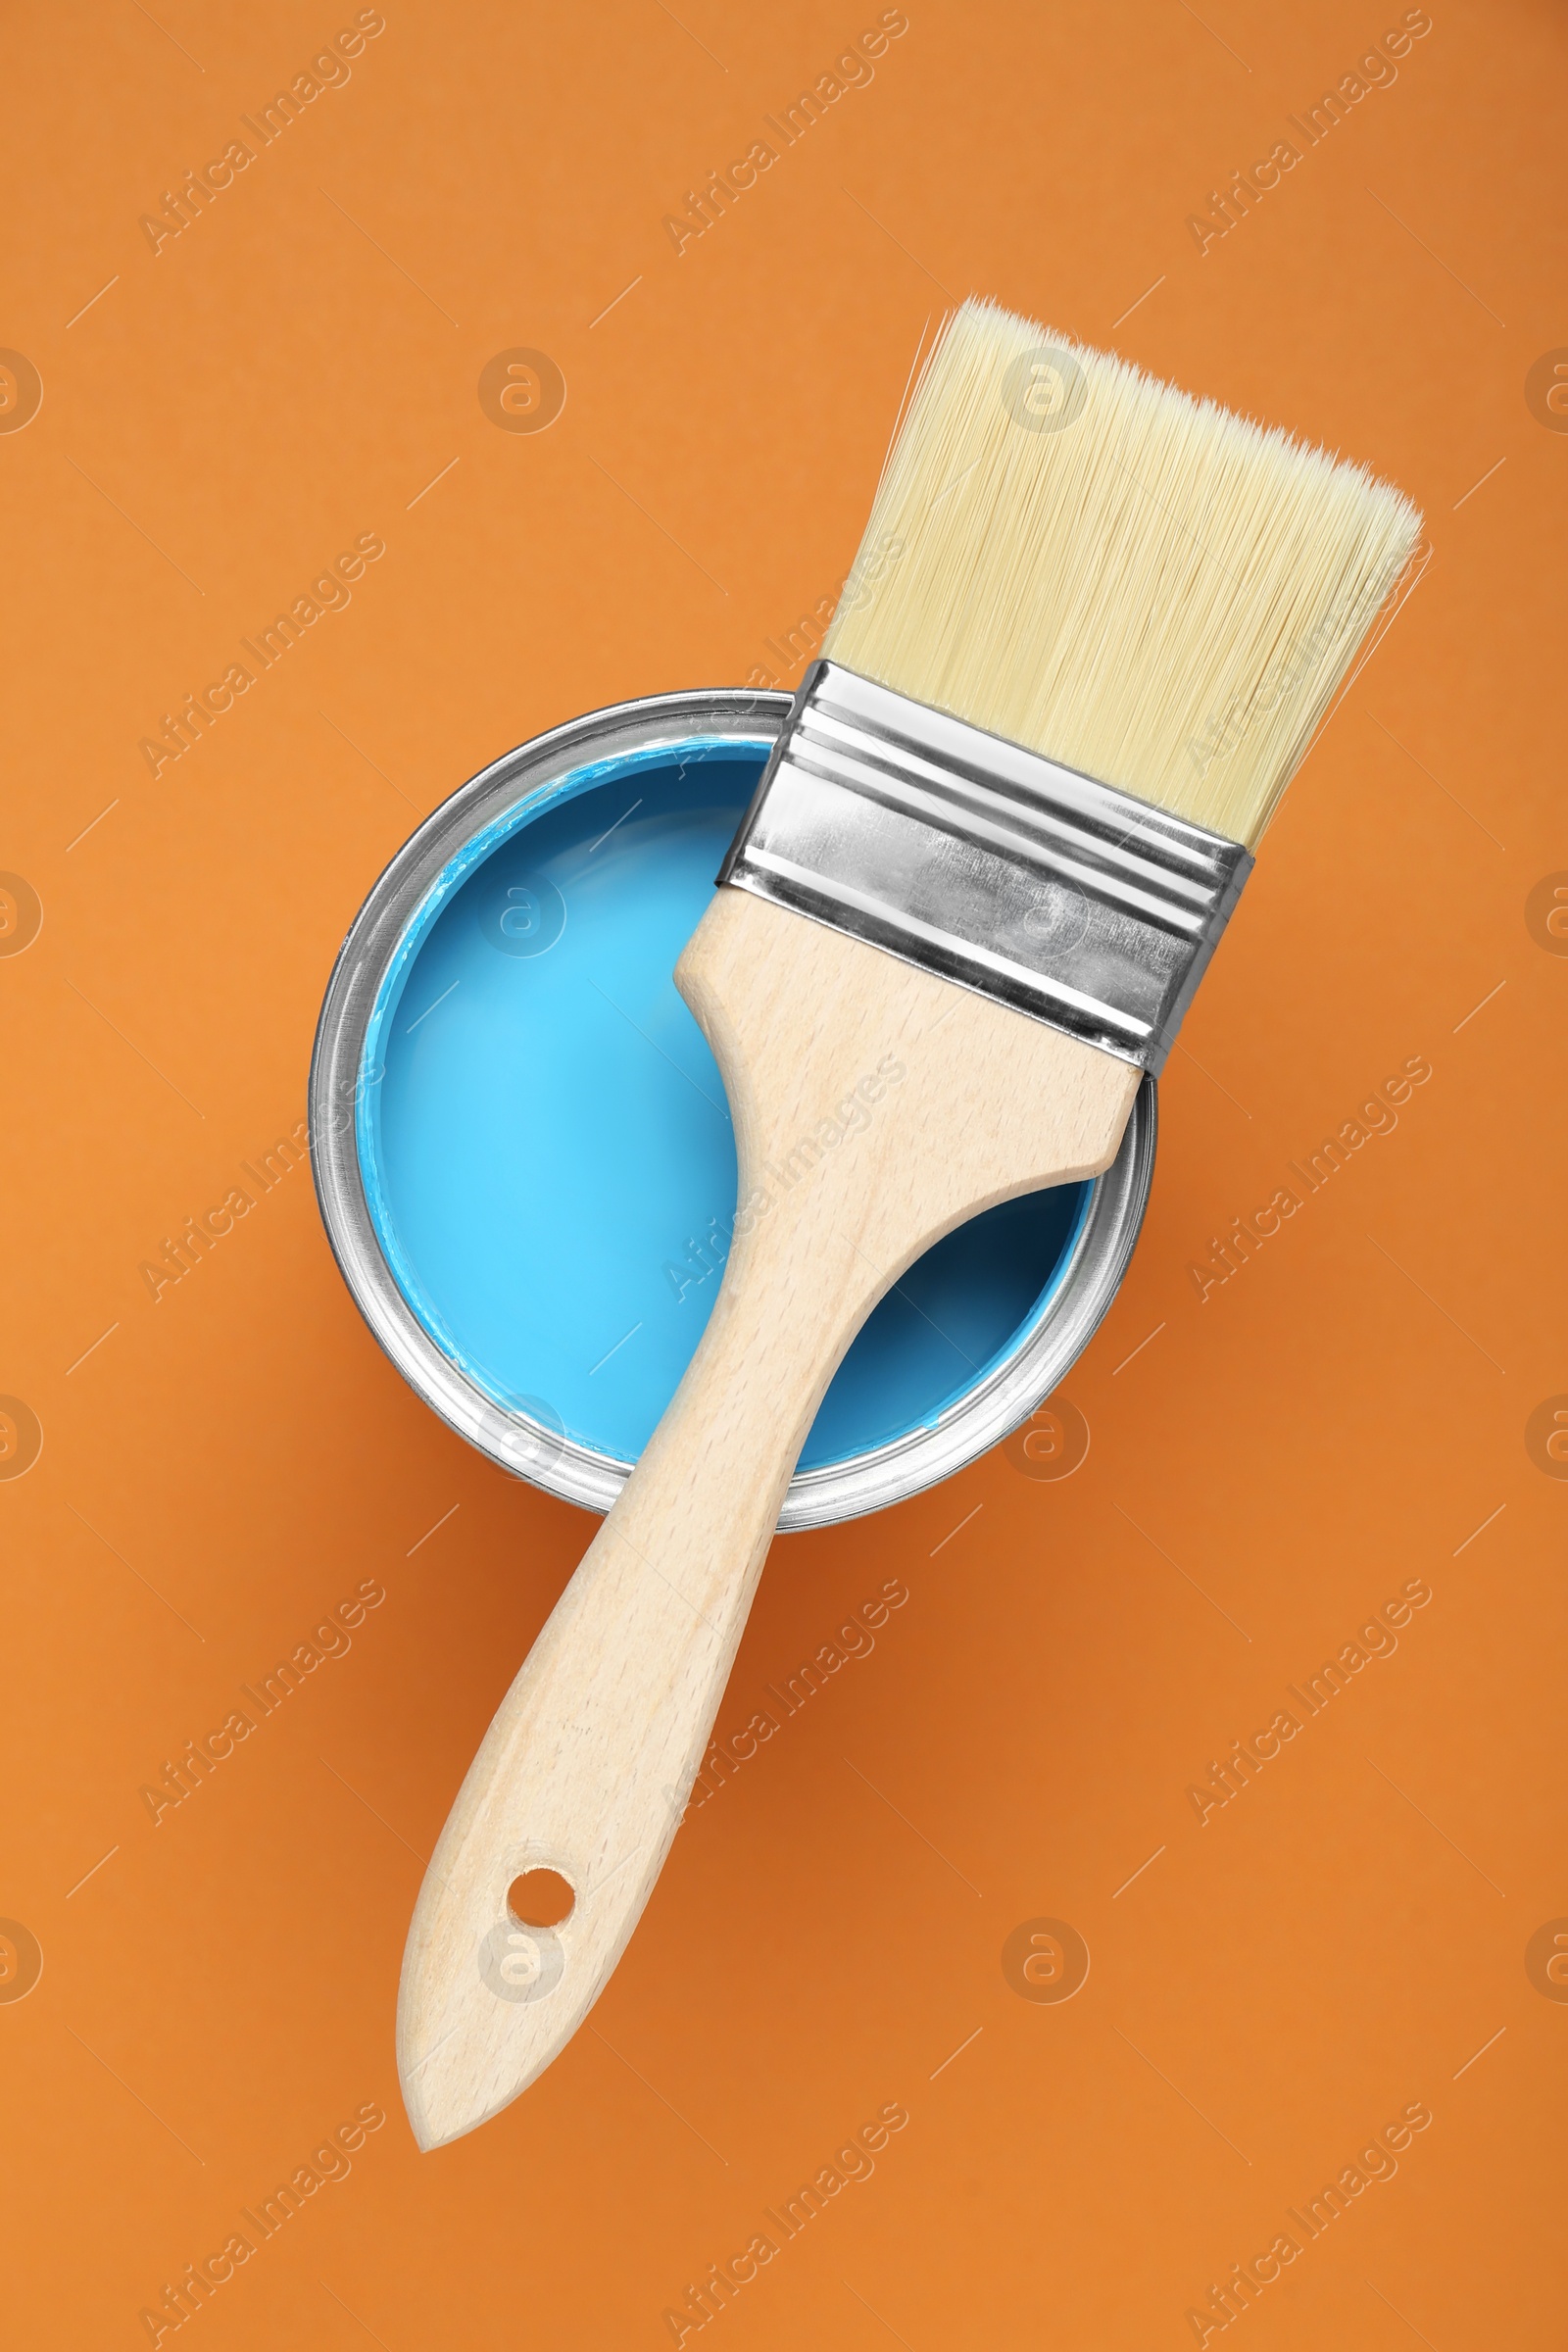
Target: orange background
218 1991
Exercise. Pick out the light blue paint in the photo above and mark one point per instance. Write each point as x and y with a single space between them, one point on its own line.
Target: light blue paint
547 1152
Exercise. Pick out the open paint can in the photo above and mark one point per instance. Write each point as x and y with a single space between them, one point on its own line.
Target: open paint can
525 1161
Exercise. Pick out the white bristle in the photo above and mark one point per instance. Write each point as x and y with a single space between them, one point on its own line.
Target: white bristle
1136 583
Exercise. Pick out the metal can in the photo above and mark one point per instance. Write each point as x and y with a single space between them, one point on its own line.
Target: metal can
361 1090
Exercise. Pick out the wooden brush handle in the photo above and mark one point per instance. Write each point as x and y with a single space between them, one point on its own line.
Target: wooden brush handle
876 1108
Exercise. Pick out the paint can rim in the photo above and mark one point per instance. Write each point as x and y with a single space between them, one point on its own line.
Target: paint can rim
395 916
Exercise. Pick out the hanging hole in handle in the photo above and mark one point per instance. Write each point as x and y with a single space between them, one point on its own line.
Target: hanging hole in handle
540 1899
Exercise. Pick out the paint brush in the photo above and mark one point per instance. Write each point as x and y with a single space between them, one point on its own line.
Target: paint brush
1094 625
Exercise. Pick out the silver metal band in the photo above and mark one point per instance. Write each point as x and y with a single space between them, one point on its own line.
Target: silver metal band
995 868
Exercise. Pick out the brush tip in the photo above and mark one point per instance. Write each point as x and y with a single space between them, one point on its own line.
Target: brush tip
1138 583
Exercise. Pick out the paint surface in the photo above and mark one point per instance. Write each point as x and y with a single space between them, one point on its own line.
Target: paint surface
548 1153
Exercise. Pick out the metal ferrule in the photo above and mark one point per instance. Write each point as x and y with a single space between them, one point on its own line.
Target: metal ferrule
987 865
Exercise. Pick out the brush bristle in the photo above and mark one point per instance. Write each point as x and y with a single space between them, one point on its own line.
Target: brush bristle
1136 583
